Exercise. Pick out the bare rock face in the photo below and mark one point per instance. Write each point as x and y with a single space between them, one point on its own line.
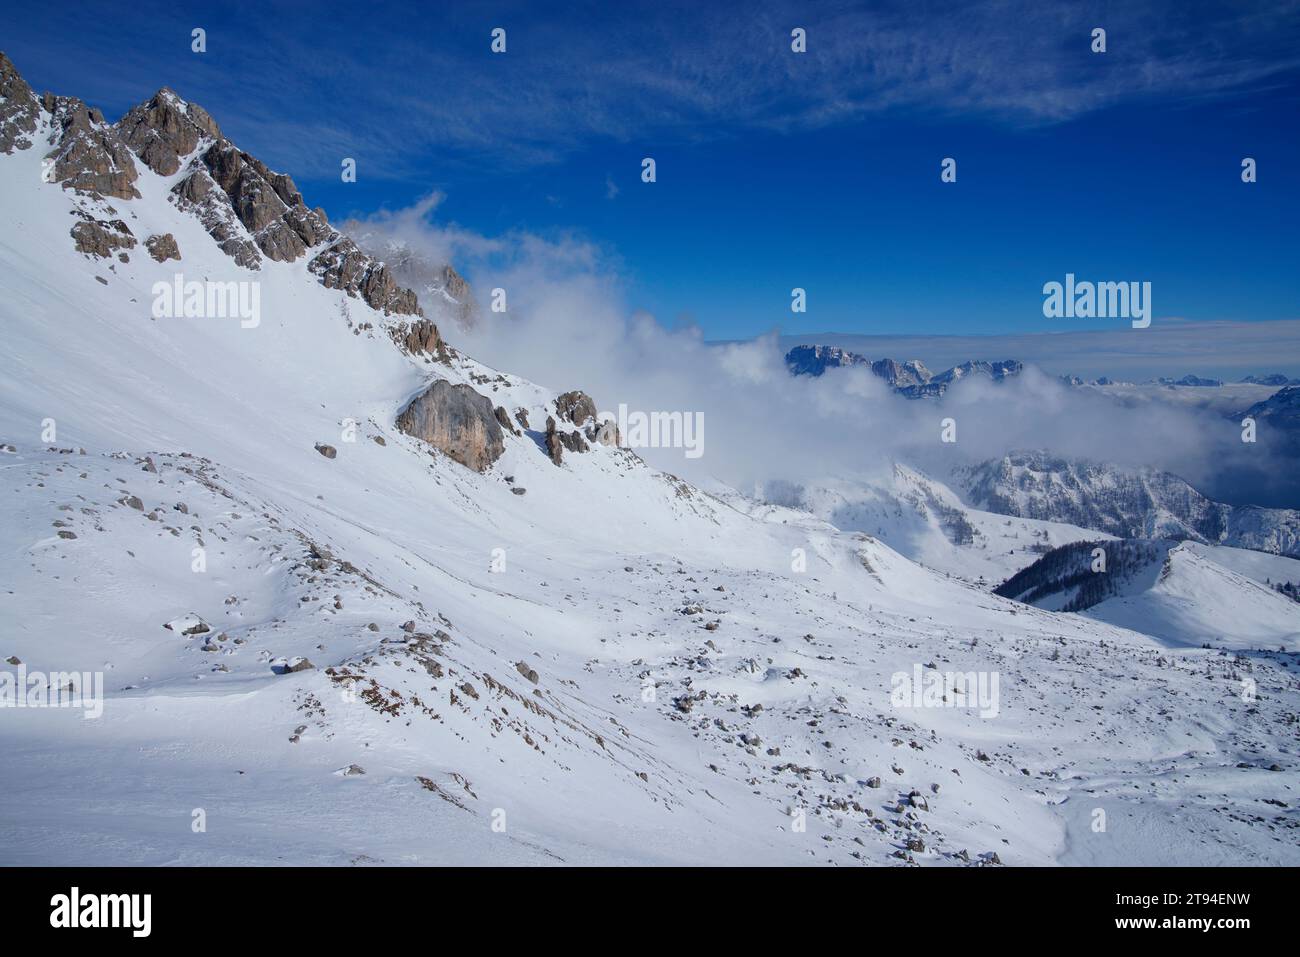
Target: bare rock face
250 210
554 447
162 248
87 153
267 203
344 266
19 109
165 129
420 338
101 237
504 418
456 420
557 441
576 407
443 294
198 194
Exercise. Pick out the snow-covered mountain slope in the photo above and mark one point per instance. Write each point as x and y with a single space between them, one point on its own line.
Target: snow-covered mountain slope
926 521
1183 593
332 643
1124 502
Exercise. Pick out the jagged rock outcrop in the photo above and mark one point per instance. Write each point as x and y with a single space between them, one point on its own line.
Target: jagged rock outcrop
504 418
198 194
576 407
458 421
19 109
87 153
267 203
557 441
420 338
344 266
250 210
101 237
442 292
165 129
162 248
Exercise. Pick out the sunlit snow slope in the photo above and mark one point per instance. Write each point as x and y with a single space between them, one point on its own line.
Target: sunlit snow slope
612 667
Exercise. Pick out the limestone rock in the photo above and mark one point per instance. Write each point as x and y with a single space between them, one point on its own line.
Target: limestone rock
165 129
420 337
87 153
19 109
162 248
344 266
576 407
101 237
458 421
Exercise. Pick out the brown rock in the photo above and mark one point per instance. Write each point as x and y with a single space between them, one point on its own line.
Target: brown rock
458 421
162 248
576 407
88 155
101 237
19 109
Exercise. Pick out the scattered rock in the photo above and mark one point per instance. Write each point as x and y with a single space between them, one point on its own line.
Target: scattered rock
526 671
162 247
101 237
188 625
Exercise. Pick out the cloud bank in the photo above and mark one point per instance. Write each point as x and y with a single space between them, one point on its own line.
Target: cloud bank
569 326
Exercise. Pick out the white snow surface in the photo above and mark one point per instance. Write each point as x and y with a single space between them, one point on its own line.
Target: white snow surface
643 740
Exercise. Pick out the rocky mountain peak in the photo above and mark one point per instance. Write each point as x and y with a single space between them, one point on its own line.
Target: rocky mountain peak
19 108
250 210
164 129
910 379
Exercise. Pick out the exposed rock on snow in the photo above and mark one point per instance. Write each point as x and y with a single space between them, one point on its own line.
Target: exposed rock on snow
527 672
420 338
188 625
344 266
87 153
101 237
162 247
576 407
164 130
557 441
19 109
456 420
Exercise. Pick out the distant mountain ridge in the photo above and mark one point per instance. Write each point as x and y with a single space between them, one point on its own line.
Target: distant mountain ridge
910 379
1126 502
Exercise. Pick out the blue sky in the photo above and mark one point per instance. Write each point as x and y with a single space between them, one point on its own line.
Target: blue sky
775 169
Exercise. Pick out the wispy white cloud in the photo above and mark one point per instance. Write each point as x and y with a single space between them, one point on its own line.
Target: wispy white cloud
570 325
398 90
